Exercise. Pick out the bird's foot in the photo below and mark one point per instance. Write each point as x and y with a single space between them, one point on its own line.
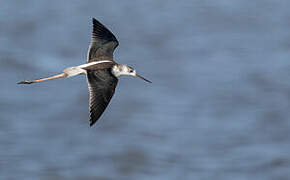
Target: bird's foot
26 82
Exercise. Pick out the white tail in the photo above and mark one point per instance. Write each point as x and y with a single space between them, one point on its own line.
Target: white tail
73 71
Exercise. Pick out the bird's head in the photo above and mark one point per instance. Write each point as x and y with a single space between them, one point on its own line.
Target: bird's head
120 70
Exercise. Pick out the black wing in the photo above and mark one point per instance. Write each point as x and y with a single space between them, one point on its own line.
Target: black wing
102 86
103 43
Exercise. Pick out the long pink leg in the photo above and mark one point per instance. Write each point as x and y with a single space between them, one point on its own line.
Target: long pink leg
62 75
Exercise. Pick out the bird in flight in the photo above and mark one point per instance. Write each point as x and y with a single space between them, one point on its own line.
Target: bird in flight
101 70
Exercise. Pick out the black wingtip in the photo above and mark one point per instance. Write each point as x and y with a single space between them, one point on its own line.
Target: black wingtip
97 23
100 31
91 123
93 20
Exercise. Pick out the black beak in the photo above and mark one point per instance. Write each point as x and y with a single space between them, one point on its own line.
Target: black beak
137 75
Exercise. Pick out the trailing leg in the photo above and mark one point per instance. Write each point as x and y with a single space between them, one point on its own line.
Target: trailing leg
62 75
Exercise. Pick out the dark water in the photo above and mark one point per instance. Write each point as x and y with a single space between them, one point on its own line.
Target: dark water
218 107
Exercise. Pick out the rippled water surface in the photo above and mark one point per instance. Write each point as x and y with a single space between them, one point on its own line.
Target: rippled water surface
218 107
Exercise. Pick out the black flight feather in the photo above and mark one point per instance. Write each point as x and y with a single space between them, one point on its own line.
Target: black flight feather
102 86
103 43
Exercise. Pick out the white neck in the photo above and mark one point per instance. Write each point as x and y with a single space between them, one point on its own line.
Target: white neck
116 71
121 70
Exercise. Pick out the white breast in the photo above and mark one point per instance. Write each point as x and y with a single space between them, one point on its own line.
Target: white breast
116 71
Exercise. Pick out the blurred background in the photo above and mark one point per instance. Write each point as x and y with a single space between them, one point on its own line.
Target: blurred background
218 107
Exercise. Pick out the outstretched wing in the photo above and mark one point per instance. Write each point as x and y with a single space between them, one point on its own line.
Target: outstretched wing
103 43
102 86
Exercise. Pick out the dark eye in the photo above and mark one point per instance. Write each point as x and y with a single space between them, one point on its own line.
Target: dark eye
131 70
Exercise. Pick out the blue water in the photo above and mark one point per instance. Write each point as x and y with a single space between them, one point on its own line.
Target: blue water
218 107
